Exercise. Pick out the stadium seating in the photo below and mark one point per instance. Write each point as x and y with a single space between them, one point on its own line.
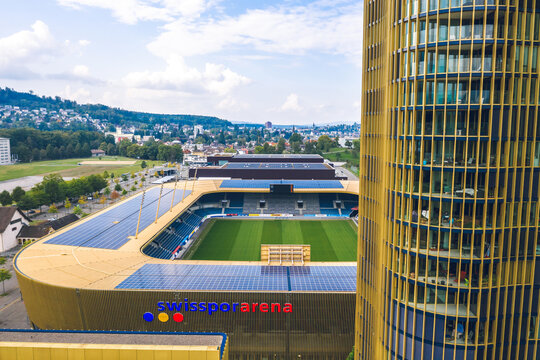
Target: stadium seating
168 241
299 184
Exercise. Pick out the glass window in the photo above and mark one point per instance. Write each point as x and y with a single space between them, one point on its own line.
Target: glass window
527 26
412 64
517 55
466 29
431 62
441 62
443 30
454 29
421 62
440 92
489 29
537 25
422 32
432 35
419 92
478 29
423 5
526 59
451 92
429 92
453 57
463 92
433 4
464 58
487 59
534 60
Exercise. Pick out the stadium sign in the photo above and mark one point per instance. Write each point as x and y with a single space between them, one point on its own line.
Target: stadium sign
212 307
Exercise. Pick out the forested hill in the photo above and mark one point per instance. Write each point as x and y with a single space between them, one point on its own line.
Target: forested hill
113 116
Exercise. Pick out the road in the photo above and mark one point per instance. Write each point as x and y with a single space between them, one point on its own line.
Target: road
12 311
341 171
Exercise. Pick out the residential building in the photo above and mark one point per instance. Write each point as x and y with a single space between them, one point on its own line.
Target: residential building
12 219
31 233
5 152
97 152
449 250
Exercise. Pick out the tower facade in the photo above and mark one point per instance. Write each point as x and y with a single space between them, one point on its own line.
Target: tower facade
450 167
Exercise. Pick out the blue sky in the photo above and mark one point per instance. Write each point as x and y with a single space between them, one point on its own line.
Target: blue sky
289 62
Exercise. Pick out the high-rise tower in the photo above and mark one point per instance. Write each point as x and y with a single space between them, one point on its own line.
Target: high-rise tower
450 168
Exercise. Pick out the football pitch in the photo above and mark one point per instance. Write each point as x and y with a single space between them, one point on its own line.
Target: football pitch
240 240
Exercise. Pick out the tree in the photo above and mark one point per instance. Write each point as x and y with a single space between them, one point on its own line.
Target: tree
348 144
105 174
27 202
4 275
102 200
82 200
133 188
2 260
115 195
54 186
143 165
77 210
5 198
280 146
117 187
17 193
107 191
52 209
67 204
124 192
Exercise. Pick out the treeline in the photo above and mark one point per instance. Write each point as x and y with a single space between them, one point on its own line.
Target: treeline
53 189
111 115
297 146
151 150
35 145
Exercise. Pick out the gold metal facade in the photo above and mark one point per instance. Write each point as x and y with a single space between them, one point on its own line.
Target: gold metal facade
450 159
320 327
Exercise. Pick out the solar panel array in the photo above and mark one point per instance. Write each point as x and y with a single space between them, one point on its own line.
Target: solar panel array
242 278
110 229
296 166
298 184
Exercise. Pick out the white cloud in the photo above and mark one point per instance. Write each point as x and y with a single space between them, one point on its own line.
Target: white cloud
283 30
178 76
81 95
84 43
291 103
27 46
81 71
133 11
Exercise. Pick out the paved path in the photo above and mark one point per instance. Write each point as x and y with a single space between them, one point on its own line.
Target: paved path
12 311
341 171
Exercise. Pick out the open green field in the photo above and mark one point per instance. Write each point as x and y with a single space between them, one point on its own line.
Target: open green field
68 167
240 240
346 155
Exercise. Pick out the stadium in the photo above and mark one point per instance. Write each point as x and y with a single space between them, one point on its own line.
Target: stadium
271 263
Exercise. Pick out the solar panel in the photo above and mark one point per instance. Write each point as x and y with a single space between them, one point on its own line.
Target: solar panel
110 229
242 277
298 184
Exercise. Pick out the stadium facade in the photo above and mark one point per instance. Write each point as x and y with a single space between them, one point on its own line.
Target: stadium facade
105 272
450 155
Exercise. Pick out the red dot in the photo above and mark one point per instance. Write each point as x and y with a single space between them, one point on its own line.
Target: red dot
178 317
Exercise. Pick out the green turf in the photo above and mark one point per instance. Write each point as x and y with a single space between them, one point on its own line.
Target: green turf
240 240
68 167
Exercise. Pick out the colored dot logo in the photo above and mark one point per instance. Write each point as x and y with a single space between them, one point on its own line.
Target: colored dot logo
163 317
178 317
148 316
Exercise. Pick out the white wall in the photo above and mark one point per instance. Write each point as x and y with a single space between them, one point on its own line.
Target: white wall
8 239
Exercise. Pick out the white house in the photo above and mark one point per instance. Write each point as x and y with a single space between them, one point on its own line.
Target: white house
12 220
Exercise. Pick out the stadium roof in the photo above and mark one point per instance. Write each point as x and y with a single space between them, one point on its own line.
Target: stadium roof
278 156
276 166
101 251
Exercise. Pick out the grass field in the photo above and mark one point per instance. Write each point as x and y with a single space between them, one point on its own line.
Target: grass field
240 240
67 168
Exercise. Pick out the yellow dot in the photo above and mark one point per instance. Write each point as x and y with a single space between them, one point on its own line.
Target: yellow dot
163 317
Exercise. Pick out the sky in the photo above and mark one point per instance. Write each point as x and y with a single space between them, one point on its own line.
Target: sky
288 62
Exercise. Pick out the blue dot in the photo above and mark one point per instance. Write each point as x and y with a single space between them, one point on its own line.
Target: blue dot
148 316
